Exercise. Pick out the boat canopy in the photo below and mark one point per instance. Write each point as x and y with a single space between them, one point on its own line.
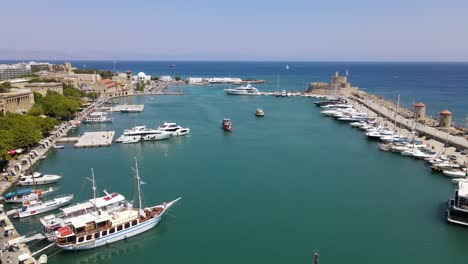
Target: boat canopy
20 192
108 199
76 208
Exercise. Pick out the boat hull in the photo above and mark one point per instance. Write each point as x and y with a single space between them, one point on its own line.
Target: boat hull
38 182
126 233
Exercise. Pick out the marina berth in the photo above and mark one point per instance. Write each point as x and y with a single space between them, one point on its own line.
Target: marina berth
242 90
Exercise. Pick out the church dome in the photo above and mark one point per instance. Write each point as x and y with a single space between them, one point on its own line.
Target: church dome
141 74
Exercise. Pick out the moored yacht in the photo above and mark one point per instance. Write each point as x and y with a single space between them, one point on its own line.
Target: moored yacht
25 195
457 209
38 179
35 207
243 90
97 117
174 129
99 228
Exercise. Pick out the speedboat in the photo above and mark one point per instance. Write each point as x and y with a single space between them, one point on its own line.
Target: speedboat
58 146
24 195
227 125
385 147
174 129
456 173
35 207
283 93
243 90
260 113
38 179
97 117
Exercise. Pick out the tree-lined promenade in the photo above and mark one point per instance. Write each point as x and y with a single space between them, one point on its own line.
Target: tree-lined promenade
24 131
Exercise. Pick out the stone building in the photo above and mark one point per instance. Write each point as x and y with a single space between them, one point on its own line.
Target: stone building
16 102
339 85
445 119
420 111
43 88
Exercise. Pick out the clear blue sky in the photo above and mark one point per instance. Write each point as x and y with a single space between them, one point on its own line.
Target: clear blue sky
337 30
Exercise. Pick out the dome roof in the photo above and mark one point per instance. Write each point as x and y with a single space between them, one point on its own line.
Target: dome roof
420 104
446 112
141 74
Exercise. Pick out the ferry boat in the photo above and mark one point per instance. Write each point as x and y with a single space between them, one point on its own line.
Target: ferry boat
100 228
174 129
35 207
227 125
457 209
38 179
110 202
98 117
25 195
131 109
260 113
243 90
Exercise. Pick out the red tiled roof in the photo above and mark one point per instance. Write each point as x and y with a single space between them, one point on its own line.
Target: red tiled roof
420 104
446 112
106 81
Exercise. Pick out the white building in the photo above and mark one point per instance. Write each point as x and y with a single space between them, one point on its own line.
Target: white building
141 76
166 78
195 80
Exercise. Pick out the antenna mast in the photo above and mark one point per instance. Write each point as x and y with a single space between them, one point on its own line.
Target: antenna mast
94 185
138 182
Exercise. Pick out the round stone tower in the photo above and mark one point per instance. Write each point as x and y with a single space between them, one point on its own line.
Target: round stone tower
420 111
445 119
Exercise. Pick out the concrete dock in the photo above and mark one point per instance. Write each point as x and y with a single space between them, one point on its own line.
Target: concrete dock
95 139
12 249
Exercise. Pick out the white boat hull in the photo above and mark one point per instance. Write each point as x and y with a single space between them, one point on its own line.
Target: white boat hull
31 182
152 137
126 233
48 206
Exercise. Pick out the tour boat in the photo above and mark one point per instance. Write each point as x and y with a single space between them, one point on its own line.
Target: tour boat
243 90
98 117
35 207
38 179
174 129
101 228
110 202
456 208
24 195
260 113
227 125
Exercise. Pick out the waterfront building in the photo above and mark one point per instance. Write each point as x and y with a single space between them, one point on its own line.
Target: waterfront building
43 88
39 66
141 76
419 111
16 102
338 84
10 71
195 80
166 78
445 119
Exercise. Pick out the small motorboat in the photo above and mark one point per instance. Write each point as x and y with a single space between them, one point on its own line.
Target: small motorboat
35 207
42 157
24 195
260 113
38 179
227 125
456 173
58 146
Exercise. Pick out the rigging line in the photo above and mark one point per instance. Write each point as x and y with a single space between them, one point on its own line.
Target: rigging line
48 256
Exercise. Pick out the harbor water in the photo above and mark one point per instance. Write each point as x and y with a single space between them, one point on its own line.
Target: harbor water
275 190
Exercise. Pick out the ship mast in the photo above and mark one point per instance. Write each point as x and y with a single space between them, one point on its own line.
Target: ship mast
138 182
94 185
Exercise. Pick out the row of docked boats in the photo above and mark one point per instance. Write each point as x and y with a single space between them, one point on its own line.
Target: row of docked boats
391 140
143 133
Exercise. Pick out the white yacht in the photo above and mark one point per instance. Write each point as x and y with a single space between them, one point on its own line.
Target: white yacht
129 139
457 212
243 90
35 207
98 117
131 109
174 129
38 179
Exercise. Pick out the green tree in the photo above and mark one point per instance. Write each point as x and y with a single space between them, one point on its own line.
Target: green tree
36 110
177 78
155 78
5 87
6 143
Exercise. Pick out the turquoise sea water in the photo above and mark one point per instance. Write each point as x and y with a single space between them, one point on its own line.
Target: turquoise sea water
274 191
